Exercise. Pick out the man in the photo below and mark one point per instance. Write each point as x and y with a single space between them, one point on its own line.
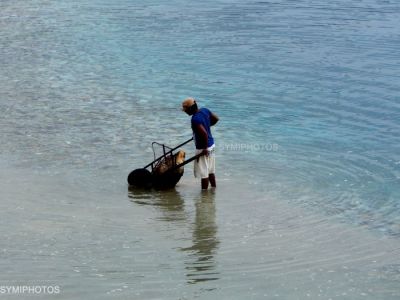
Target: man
202 120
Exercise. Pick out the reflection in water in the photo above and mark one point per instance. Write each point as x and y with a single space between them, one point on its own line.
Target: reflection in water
201 264
170 202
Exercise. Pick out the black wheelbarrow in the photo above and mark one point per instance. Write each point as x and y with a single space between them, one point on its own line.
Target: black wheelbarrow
165 170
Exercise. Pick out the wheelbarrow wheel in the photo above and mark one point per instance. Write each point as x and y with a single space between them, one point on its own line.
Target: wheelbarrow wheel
140 178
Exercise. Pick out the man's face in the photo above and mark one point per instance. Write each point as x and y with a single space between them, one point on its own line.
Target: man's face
190 110
187 110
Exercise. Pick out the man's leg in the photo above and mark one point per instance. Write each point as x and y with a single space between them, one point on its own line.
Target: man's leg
204 183
213 182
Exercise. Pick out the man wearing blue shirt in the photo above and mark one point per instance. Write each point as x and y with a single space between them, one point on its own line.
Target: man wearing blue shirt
202 120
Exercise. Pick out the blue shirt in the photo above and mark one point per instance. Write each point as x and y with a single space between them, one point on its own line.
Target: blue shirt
202 117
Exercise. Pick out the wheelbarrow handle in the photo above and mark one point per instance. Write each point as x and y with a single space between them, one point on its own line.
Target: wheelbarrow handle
186 162
184 143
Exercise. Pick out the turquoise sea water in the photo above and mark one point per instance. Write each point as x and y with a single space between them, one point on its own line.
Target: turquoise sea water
308 148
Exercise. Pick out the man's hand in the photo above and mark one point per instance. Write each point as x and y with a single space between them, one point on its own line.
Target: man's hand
204 152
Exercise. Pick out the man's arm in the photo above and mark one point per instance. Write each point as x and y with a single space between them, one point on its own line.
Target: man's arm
213 119
201 132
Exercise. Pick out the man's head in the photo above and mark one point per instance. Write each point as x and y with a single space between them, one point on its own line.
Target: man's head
189 106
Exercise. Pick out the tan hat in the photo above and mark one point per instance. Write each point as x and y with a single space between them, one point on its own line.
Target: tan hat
188 102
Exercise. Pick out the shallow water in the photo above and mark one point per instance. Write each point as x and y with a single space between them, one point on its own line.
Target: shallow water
308 163
98 242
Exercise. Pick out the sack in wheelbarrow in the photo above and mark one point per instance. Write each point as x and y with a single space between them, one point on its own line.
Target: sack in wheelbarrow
165 174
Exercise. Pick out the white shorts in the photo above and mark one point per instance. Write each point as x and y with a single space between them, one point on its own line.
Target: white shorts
205 165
